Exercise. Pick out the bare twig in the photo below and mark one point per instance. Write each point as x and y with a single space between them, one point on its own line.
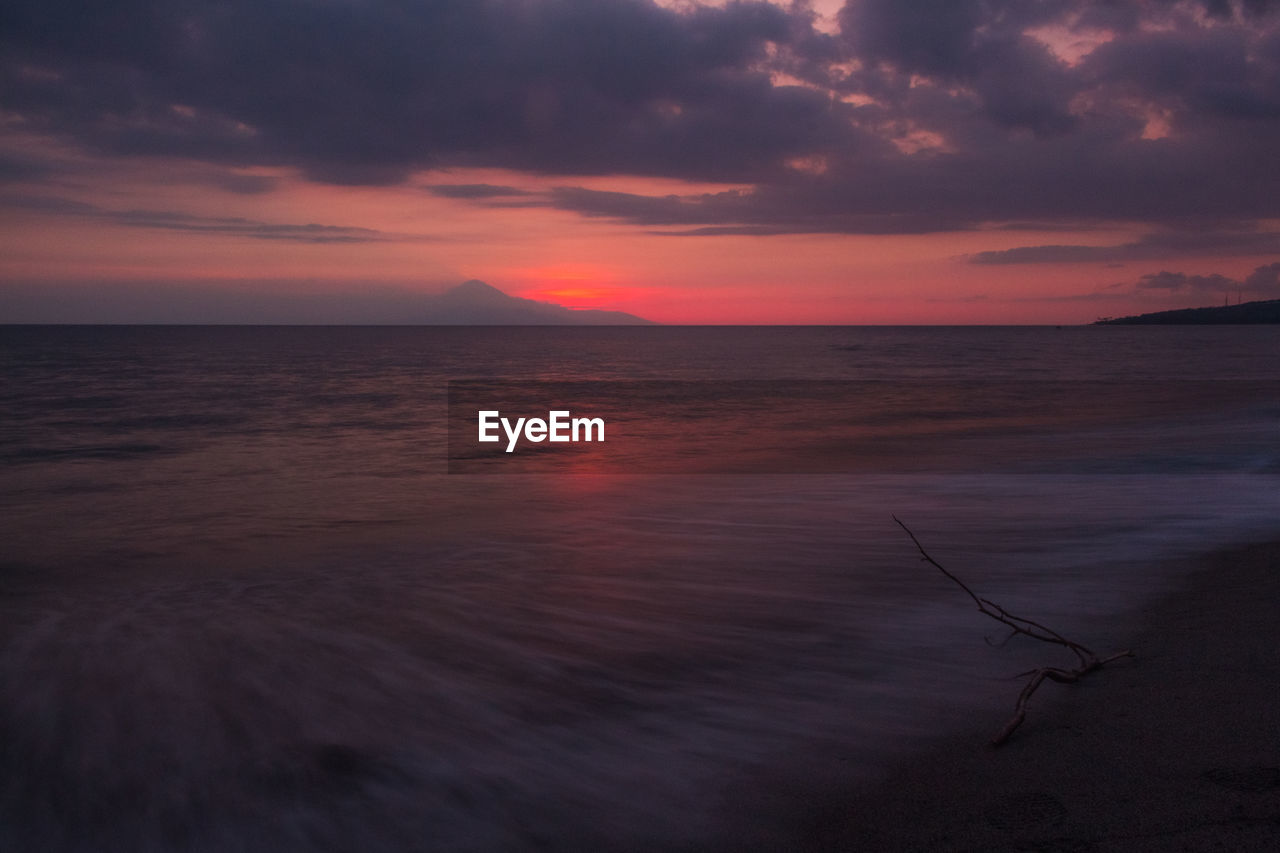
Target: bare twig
1020 625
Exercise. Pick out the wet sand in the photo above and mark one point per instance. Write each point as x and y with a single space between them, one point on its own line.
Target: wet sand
1176 749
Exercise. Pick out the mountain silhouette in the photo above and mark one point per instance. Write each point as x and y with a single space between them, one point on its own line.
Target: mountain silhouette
475 303
1263 311
476 291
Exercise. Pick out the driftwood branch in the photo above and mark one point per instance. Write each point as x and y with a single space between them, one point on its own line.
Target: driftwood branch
1088 660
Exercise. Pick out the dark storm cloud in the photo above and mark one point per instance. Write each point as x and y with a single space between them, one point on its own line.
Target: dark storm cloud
930 115
169 220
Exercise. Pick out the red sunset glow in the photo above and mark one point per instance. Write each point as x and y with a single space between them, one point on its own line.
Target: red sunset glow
830 172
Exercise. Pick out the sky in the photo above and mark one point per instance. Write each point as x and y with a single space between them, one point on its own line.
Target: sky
870 161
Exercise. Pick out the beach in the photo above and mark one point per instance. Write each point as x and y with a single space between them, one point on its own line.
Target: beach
1177 748
516 426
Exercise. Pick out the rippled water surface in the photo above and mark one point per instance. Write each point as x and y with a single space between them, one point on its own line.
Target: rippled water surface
244 605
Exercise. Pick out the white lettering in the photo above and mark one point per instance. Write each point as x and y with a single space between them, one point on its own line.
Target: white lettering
559 422
559 427
487 423
512 434
587 424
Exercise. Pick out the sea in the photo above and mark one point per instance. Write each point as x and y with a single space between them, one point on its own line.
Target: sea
255 597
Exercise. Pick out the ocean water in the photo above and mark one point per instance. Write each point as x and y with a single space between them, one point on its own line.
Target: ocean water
244 604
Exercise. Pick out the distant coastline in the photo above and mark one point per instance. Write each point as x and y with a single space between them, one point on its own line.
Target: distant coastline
475 303
1264 311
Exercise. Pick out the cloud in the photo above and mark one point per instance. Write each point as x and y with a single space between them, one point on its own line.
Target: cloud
168 220
16 168
1013 79
1151 246
807 208
475 191
238 183
643 209
931 115
1181 281
1263 281
367 92
239 227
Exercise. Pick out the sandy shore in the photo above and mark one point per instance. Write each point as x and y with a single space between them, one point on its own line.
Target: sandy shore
1177 749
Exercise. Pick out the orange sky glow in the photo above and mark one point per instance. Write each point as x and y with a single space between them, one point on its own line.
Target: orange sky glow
579 262
883 185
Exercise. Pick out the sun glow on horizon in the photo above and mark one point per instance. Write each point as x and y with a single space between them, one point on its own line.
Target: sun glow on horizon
567 295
